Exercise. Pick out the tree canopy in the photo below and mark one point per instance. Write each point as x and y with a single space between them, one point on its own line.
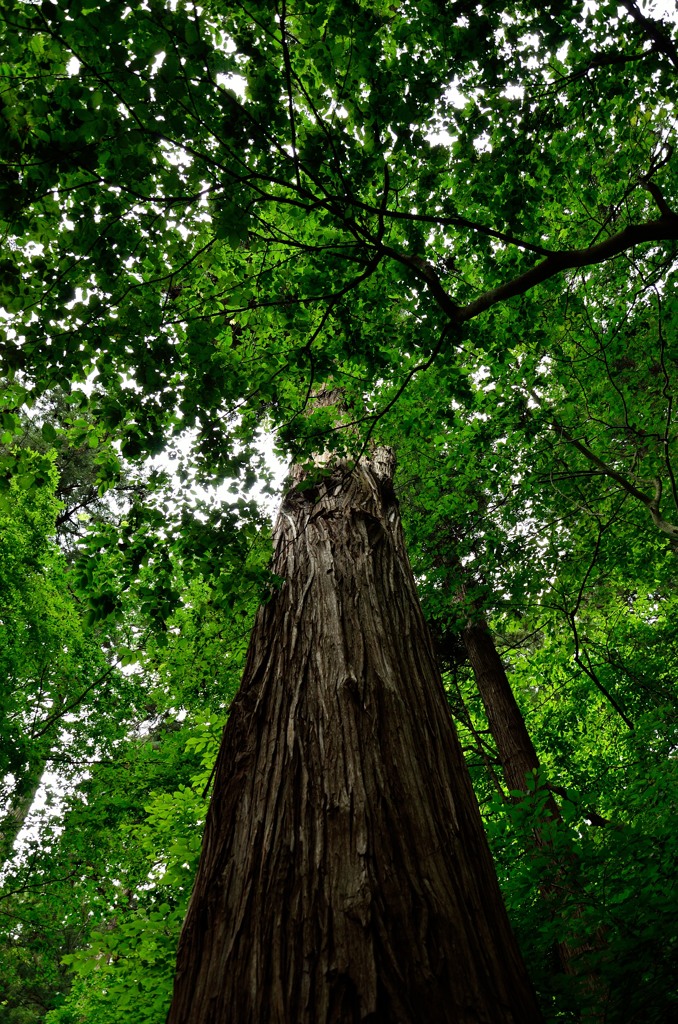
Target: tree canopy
465 216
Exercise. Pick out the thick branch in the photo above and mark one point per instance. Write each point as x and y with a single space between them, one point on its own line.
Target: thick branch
426 272
658 196
661 41
662 230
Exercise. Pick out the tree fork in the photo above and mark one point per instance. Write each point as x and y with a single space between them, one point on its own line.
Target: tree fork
345 876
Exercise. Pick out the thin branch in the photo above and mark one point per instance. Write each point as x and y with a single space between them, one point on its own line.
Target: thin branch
282 18
591 816
651 502
453 220
74 703
375 417
623 482
666 392
482 746
589 671
602 60
308 349
594 559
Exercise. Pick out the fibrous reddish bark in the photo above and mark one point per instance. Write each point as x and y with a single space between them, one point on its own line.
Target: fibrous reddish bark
345 876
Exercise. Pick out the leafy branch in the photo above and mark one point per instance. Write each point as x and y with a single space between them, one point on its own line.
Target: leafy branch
662 230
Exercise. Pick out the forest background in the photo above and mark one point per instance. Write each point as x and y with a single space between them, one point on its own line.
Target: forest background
465 216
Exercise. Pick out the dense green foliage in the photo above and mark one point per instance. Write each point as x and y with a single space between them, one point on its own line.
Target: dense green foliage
461 214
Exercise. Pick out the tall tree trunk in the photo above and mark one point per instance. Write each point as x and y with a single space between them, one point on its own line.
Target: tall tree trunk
519 759
516 751
14 817
345 875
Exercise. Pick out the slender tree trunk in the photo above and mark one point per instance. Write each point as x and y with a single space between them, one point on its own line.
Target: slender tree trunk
14 817
516 751
345 875
519 760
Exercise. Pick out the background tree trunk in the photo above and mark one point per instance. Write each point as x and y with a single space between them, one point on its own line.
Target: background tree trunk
516 751
14 816
345 875
519 760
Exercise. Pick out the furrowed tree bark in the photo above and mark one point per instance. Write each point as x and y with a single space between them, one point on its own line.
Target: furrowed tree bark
345 876
516 750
